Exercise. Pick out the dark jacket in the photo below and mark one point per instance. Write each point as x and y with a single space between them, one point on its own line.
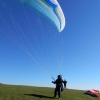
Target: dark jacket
58 83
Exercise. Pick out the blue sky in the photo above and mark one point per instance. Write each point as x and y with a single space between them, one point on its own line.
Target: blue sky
75 52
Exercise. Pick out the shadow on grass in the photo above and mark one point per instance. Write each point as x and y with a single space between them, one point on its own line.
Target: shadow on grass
38 95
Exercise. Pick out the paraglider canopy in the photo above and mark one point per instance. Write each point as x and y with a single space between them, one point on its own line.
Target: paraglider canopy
50 9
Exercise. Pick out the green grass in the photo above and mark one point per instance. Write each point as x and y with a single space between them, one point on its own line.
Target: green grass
14 92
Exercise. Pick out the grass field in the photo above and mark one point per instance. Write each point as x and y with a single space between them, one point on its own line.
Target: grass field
14 92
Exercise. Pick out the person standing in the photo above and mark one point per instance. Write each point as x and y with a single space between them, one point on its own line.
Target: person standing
58 83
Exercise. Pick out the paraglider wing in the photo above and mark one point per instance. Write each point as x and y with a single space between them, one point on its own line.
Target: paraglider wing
50 9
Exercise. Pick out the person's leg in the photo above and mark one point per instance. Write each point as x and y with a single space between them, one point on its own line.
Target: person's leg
59 92
55 92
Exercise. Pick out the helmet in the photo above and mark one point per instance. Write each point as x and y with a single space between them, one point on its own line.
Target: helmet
59 76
